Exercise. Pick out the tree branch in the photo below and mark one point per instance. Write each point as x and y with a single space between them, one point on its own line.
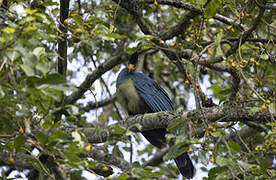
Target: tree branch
94 105
62 41
91 78
149 121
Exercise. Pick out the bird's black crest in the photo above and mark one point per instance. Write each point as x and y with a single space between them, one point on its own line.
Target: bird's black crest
134 58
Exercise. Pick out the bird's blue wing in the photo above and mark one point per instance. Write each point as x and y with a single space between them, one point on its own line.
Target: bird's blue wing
153 95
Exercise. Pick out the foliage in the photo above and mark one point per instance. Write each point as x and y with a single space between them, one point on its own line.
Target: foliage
186 46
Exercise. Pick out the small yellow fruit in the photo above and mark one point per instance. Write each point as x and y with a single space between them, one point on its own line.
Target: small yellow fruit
198 85
191 20
233 64
231 61
252 60
257 64
172 44
11 160
105 168
155 3
267 101
229 27
212 159
263 107
66 21
207 133
79 30
243 61
254 165
187 81
88 148
166 63
190 151
242 14
33 143
21 130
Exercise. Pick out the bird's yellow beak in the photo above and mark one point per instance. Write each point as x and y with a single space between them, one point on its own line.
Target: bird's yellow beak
130 67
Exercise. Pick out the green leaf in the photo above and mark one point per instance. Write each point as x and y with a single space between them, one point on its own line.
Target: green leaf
244 165
235 146
43 67
78 138
264 56
217 133
123 176
19 141
58 135
175 151
119 129
202 157
175 124
211 8
28 69
38 51
42 138
150 174
114 36
116 152
214 172
54 79
222 161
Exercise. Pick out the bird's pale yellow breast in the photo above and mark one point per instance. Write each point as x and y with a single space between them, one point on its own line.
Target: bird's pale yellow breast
129 98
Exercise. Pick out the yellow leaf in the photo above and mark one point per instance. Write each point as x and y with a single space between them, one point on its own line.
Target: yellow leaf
10 30
3 40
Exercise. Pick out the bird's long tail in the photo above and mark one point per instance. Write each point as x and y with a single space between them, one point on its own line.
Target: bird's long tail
185 165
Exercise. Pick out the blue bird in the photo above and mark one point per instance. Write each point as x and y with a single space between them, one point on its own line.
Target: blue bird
139 94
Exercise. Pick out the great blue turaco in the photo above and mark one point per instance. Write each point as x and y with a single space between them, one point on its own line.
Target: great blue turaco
139 94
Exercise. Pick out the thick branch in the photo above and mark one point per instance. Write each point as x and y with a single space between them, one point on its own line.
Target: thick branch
218 113
91 78
62 41
150 121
